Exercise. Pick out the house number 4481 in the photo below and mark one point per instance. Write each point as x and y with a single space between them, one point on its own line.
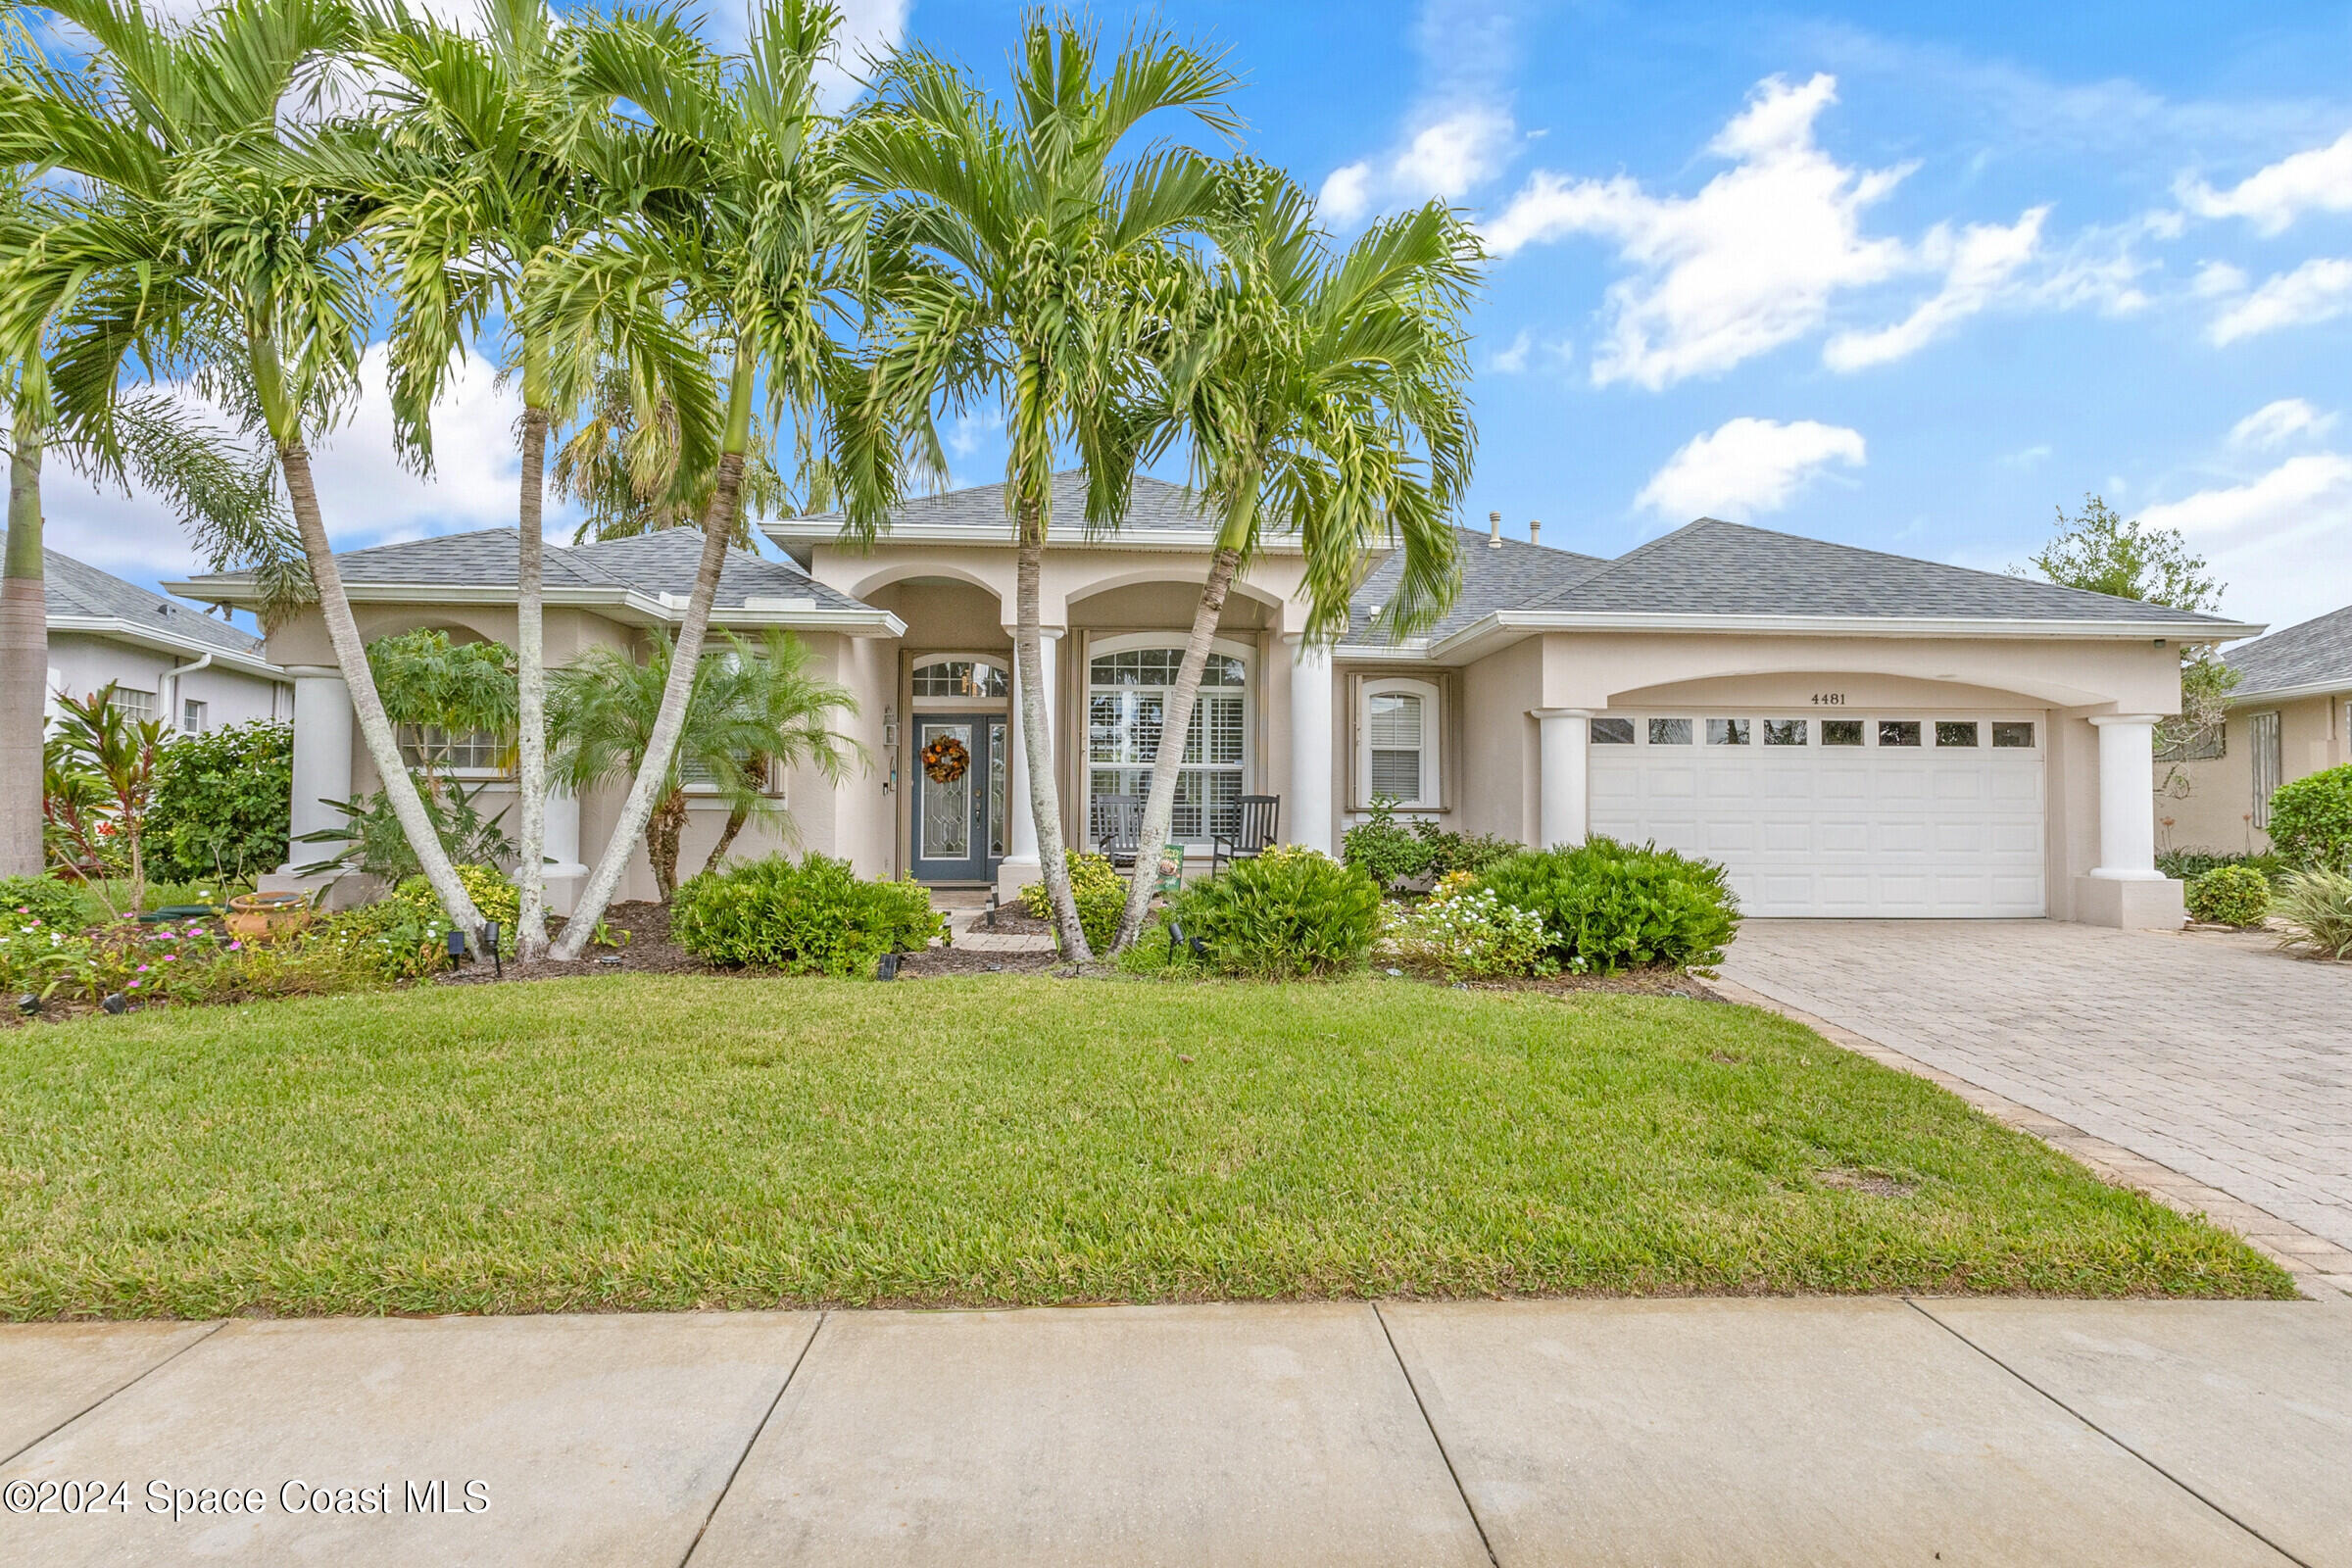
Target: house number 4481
1829 698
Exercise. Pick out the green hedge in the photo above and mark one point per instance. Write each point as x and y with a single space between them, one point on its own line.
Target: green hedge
1608 906
224 804
1098 889
813 917
2311 819
1285 913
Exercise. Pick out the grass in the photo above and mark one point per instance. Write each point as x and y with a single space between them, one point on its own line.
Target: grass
684 1141
102 901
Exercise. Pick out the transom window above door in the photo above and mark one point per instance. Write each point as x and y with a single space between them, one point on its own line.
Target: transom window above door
955 675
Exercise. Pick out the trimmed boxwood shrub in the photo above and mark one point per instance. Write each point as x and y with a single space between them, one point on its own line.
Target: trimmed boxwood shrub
1608 906
2230 895
1098 889
2311 819
1281 915
813 917
44 897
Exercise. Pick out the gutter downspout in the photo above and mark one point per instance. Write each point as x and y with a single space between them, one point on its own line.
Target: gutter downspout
177 671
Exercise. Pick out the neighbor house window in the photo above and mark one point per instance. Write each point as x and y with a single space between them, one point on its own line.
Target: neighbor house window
1127 693
1399 760
958 677
191 716
2192 743
132 704
2269 764
480 751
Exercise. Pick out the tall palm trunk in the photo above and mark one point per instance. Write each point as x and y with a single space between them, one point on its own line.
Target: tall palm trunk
530 676
1036 735
368 707
718 526
1175 726
23 658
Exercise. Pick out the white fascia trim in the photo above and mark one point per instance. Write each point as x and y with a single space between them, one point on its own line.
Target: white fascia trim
1507 623
2289 694
644 607
788 531
165 642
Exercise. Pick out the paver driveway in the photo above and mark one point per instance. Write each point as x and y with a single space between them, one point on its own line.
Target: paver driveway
2218 1057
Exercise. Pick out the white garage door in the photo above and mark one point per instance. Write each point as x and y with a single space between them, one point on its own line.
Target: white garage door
1862 814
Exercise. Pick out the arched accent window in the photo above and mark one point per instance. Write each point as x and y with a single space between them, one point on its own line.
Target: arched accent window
960 675
1400 743
1128 680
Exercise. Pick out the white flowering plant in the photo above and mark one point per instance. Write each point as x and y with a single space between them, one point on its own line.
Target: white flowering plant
1466 932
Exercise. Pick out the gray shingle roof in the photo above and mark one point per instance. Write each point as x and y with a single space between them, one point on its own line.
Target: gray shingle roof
75 588
1711 568
1502 577
653 564
2315 653
1153 506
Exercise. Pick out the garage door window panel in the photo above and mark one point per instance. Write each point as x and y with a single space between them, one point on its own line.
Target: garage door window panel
1899 732
1726 732
1955 732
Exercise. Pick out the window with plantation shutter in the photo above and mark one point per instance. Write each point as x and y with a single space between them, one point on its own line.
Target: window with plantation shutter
1126 701
1399 730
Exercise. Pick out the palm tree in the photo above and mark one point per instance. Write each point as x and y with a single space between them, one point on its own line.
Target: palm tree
206 244
624 470
742 225
496 156
1033 261
1326 398
751 709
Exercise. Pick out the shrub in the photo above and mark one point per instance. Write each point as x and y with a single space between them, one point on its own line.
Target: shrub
1607 905
2186 865
1449 853
1286 912
36 957
1467 932
813 917
224 804
44 897
2311 821
2317 906
1099 890
1385 849
406 934
2230 895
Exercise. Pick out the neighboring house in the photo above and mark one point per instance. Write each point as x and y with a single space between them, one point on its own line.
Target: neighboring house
1851 733
2289 714
168 660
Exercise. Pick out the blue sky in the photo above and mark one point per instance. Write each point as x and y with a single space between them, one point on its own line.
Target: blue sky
1907 277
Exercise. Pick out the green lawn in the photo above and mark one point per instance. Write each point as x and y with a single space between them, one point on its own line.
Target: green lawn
664 1143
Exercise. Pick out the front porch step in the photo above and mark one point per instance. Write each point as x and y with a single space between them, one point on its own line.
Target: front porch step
968 934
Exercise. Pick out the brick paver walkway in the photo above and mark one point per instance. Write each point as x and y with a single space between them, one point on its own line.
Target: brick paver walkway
2214 1055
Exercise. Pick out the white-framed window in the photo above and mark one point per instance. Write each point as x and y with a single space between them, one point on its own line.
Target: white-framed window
132 704
192 717
961 675
2268 763
1397 744
1128 680
480 751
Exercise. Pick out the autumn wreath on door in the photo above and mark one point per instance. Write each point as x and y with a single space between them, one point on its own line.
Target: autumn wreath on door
944 760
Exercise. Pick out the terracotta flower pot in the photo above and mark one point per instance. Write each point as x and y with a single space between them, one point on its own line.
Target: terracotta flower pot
267 915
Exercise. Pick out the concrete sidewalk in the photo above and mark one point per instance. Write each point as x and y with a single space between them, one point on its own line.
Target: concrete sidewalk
1860 1432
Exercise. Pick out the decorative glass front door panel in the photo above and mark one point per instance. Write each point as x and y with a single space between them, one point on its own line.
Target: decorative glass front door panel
958 801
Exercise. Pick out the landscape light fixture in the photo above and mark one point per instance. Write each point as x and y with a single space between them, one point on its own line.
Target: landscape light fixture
498 970
457 947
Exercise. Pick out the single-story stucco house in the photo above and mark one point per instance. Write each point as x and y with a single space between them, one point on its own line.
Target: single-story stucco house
2289 714
168 660
1851 733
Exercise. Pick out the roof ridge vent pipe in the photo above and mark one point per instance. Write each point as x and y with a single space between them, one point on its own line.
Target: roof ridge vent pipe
1535 532
1493 530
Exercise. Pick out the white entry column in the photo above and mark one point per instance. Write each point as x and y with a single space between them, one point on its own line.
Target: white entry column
562 850
322 724
1563 739
2127 798
1020 866
1308 808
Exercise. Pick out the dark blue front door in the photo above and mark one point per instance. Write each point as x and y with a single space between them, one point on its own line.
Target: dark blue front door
957 827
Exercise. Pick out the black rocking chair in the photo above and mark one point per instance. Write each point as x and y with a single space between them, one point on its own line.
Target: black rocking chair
1118 828
1258 822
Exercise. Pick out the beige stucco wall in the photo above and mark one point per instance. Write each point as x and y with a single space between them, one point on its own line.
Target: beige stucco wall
2208 803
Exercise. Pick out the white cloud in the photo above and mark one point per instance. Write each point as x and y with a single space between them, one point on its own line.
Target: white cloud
1458 132
365 494
1747 465
1513 360
2319 290
1745 266
2318 179
2216 279
2274 424
2282 541
1977 266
